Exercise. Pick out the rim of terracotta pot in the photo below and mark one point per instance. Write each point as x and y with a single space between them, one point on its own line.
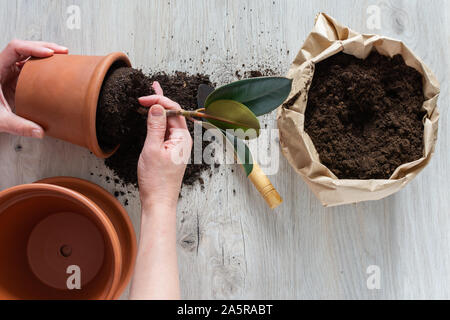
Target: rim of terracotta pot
95 85
17 192
128 249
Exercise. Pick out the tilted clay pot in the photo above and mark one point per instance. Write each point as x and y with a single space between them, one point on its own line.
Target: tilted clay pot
61 92
50 226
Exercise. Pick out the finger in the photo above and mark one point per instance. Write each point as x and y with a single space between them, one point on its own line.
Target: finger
20 64
18 50
19 126
157 88
173 122
156 127
157 99
55 47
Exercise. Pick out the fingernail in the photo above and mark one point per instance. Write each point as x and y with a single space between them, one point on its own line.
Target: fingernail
157 111
37 133
49 50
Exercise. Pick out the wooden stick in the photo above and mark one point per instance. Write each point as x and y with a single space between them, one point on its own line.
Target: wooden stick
194 114
265 187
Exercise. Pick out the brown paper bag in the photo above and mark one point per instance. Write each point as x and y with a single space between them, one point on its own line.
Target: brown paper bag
327 38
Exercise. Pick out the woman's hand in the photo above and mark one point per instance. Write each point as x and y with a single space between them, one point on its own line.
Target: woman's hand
165 154
12 59
160 172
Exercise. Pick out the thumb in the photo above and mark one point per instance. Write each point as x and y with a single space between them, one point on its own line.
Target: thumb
156 125
22 127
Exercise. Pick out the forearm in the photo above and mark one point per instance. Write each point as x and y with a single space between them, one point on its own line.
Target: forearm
156 271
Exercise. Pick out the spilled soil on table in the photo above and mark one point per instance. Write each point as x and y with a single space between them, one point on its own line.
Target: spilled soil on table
365 116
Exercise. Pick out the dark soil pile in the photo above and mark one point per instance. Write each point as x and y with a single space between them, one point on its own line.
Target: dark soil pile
119 122
365 116
117 105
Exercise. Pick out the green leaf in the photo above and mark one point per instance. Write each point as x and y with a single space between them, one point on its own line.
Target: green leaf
236 112
260 95
241 151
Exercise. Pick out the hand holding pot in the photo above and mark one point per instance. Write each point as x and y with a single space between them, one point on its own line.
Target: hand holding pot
166 151
12 58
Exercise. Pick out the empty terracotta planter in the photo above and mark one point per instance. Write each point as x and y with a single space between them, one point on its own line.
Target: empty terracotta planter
61 92
48 227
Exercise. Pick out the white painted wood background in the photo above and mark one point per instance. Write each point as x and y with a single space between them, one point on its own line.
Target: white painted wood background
232 246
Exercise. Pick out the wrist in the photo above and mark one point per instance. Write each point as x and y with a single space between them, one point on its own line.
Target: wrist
160 218
158 221
166 199
151 206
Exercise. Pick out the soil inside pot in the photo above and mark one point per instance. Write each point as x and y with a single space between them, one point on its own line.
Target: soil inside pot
365 116
117 105
119 122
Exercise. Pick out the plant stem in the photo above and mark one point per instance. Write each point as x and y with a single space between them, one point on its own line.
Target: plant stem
194 114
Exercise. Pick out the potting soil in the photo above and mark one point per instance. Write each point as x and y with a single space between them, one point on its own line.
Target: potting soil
365 116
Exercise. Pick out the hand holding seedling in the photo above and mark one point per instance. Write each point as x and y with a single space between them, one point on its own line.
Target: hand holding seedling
166 151
160 171
12 59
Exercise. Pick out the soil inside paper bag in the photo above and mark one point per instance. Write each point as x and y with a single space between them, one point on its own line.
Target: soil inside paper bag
365 116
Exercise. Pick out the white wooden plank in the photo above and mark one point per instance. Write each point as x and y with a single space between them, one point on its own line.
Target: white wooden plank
231 245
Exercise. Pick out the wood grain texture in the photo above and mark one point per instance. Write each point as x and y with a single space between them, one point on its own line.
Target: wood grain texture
230 245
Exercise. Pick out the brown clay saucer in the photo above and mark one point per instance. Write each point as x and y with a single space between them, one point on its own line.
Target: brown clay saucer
30 213
115 212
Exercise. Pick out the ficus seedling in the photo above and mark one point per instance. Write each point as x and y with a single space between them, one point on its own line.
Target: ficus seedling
254 97
237 106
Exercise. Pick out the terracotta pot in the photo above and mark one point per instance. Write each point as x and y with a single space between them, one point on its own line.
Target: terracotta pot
60 93
46 227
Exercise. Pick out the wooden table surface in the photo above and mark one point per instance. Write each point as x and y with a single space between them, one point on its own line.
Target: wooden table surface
230 245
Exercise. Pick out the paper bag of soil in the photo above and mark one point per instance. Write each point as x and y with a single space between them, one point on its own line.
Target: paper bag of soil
328 38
